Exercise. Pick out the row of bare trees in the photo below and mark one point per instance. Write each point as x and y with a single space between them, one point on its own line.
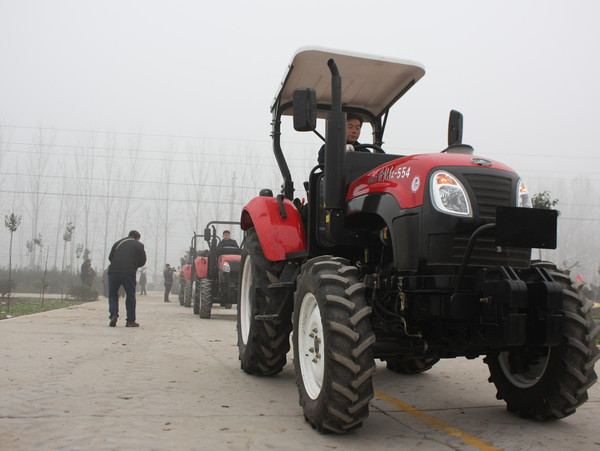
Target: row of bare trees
93 187
77 197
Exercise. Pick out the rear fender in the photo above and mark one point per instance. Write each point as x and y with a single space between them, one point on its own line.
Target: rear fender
187 272
279 237
201 264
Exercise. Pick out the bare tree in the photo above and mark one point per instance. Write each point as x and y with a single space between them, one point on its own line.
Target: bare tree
130 184
5 142
108 190
84 166
38 163
197 175
157 233
67 238
12 223
39 242
59 222
166 171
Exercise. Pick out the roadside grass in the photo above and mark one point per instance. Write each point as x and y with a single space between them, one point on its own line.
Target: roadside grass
28 306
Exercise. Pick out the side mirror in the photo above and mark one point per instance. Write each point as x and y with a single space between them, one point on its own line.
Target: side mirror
207 234
455 128
305 109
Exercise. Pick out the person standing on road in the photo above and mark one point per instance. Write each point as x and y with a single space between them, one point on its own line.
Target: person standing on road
126 256
87 273
143 280
168 277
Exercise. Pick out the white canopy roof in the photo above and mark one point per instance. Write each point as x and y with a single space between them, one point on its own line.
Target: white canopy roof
369 82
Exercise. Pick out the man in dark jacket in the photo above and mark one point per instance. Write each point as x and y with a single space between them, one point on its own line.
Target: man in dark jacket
168 277
227 241
126 256
353 127
143 280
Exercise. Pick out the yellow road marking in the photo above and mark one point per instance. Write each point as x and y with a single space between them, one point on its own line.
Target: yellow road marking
438 424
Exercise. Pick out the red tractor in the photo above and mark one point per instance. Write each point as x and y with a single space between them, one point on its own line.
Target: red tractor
186 283
407 259
212 275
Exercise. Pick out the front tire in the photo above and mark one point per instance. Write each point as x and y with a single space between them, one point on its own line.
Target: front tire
333 354
550 382
262 344
205 298
181 292
187 294
196 298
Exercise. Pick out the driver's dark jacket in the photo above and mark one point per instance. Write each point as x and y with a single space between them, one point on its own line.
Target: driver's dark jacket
168 276
228 243
321 157
126 256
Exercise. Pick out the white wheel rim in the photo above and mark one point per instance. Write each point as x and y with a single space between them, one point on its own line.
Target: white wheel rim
311 345
245 302
529 378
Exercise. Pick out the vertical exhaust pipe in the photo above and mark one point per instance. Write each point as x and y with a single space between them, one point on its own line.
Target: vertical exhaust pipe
335 145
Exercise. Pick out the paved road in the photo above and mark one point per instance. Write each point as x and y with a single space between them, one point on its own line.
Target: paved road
69 382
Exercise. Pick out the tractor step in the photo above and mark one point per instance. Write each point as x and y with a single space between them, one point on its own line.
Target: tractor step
281 285
271 317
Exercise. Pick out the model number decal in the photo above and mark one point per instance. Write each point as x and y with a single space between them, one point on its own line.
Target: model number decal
391 173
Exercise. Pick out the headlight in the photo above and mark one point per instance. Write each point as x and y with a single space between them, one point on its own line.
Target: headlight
523 197
226 267
448 194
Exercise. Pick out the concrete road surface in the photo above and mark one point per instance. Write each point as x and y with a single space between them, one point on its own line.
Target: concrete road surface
69 382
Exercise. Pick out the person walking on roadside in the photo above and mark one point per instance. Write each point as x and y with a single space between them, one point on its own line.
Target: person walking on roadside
87 273
126 256
168 277
143 280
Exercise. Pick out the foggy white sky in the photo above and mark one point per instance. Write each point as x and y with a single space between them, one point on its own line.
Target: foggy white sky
523 73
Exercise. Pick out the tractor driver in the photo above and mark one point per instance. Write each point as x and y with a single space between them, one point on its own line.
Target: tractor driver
227 241
353 126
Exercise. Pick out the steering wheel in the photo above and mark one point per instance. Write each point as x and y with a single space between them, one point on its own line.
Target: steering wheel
375 147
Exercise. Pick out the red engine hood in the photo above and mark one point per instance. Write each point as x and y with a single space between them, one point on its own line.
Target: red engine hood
405 177
228 258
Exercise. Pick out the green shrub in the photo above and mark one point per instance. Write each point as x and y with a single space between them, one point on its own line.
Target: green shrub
6 288
82 293
30 280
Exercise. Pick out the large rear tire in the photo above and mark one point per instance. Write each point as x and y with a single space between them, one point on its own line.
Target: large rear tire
187 294
196 297
550 382
181 291
333 354
262 344
205 298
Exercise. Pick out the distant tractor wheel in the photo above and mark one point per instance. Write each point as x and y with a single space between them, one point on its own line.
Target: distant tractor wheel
550 382
187 294
181 292
196 298
411 365
333 355
205 298
262 344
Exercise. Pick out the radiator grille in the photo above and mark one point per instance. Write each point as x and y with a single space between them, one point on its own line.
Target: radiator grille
489 193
